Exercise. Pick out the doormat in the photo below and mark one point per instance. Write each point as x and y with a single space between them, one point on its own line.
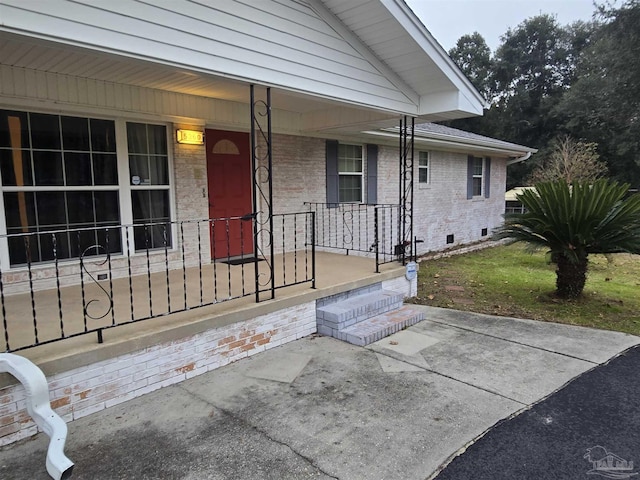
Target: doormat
241 261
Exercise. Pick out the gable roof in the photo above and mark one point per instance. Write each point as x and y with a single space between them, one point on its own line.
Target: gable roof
397 37
365 54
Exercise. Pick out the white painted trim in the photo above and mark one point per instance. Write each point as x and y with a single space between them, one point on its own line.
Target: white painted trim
126 209
427 168
363 50
414 27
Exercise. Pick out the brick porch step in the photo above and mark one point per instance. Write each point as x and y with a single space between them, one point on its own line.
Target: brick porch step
381 326
347 312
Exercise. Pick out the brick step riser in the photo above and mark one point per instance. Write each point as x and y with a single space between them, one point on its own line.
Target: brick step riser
364 341
355 315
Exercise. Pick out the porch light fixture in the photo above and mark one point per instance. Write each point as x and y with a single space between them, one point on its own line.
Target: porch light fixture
190 137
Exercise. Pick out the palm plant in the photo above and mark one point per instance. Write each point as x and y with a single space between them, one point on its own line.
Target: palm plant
574 220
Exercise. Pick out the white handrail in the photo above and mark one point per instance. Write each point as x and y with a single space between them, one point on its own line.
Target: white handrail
38 406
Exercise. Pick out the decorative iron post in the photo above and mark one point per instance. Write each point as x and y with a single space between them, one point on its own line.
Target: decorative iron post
405 245
261 168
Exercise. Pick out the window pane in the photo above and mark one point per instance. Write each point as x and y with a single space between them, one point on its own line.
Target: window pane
423 175
110 239
16 168
477 186
75 133
20 212
51 209
350 188
14 132
350 165
349 158
151 207
137 137
160 205
107 208
477 166
81 212
157 139
77 167
105 169
103 136
45 131
423 160
139 167
47 167
158 170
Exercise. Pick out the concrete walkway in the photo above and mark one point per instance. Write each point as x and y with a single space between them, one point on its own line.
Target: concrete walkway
319 408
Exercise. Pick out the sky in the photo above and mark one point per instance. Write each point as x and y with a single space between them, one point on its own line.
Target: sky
448 20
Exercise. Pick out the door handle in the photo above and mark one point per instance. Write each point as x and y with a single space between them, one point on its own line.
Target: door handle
249 216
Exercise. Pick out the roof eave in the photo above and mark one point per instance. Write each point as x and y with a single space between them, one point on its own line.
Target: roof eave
450 142
414 27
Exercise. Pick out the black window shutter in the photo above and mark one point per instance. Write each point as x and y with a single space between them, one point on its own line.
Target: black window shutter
470 177
332 171
487 177
372 174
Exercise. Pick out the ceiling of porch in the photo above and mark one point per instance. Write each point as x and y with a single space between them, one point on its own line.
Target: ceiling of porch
44 56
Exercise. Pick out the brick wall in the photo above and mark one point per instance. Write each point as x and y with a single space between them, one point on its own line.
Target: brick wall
299 175
191 194
82 391
442 208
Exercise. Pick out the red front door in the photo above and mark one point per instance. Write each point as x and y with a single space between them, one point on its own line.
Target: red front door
229 182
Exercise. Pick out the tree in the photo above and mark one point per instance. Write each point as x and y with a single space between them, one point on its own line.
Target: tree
573 221
570 161
473 57
534 68
603 105
530 72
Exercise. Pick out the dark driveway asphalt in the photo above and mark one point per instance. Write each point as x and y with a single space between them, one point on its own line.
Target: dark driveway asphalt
588 429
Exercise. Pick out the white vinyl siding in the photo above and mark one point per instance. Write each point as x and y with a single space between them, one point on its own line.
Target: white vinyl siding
280 43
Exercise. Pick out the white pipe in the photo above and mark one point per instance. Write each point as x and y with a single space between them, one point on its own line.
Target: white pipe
38 406
527 156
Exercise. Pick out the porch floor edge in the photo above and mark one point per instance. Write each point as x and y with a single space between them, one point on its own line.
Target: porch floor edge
84 350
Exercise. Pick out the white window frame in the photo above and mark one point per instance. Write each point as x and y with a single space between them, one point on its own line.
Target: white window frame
426 167
352 174
475 176
123 187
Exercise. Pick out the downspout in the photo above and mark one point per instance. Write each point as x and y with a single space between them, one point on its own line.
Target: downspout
38 406
527 156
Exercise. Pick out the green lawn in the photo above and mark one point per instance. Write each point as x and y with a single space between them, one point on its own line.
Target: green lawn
509 281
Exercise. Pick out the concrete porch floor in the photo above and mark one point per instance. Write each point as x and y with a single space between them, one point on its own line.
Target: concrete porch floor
335 273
